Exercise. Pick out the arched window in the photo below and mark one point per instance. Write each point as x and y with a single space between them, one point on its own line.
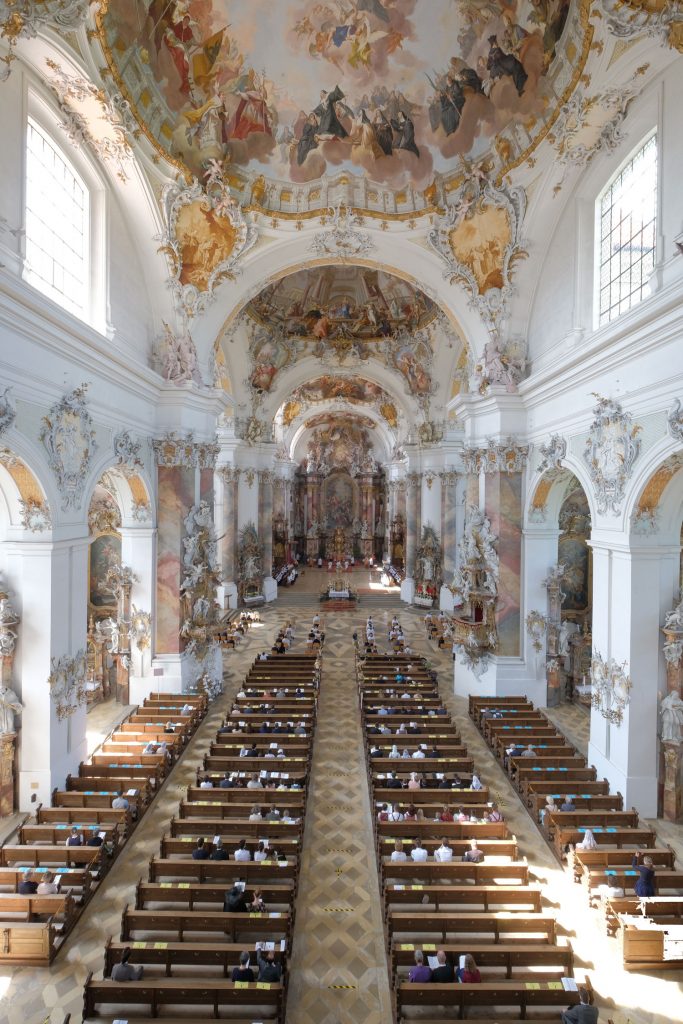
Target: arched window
57 224
627 225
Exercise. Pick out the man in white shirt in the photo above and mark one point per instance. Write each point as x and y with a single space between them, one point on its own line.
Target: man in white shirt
119 803
419 752
254 782
242 853
206 783
444 852
398 853
186 709
395 814
47 887
476 781
418 852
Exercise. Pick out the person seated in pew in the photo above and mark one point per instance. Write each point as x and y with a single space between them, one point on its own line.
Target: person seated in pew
445 814
568 804
434 752
383 813
268 969
75 838
410 813
300 729
460 816
244 971
47 886
124 970
588 842
376 751
443 853
420 972
493 814
200 851
169 727
645 885
151 748
186 709
219 852
529 752
261 852
273 814
474 855
96 840
255 813
398 854
119 803
514 750
241 852
264 727
26 886
227 782
391 782
418 852
254 781
395 814
420 752
414 781
550 808
445 972
476 781
206 783
583 1012
469 973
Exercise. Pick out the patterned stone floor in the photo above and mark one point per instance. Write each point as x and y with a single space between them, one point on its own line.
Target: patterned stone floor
338 934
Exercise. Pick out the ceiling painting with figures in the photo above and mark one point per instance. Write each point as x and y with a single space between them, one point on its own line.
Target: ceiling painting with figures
401 91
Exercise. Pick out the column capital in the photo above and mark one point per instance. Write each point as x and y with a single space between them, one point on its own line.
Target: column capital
506 455
449 477
174 450
230 474
413 480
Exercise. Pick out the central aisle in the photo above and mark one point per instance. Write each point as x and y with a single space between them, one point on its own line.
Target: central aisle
338 937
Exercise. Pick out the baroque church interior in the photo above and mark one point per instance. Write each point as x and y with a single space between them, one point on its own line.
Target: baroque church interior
341 398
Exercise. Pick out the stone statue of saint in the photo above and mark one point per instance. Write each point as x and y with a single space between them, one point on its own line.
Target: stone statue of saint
10 705
671 710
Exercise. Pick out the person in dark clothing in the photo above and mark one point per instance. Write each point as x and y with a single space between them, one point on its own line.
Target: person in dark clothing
404 133
124 971
235 901
244 971
501 64
26 887
268 970
200 851
96 840
219 852
445 972
645 886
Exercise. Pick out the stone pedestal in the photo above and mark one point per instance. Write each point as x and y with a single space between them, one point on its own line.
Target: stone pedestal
122 680
673 781
7 756
553 678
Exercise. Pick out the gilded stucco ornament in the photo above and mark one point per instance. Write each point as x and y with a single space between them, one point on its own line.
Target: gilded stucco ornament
173 450
675 421
654 18
504 456
611 449
127 452
479 238
198 220
552 454
68 435
91 119
141 512
24 19
67 683
8 410
611 688
103 517
536 627
35 515
342 239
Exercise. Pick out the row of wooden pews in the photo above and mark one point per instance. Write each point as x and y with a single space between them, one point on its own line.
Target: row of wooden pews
240 824
58 857
546 768
451 878
439 629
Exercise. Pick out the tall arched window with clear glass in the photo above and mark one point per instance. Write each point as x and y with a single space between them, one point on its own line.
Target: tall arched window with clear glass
627 225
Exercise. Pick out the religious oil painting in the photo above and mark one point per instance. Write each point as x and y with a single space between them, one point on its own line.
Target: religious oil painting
105 552
296 89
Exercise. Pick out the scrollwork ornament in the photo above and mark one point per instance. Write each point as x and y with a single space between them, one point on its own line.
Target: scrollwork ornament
213 197
68 435
674 421
611 449
552 454
611 688
342 239
173 450
536 627
24 19
67 683
470 200
127 452
8 410
628 18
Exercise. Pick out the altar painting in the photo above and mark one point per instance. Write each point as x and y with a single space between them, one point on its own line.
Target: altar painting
105 552
573 551
338 497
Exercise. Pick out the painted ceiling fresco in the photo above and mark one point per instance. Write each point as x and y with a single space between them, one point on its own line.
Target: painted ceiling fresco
342 315
354 390
295 89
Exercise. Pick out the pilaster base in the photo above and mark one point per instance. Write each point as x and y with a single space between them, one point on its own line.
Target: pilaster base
269 589
502 677
637 790
227 596
408 590
446 600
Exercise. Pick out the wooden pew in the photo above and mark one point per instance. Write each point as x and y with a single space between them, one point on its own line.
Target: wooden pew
502 993
247 797
270 925
168 956
28 944
663 910
539 927
212 995
582 861
232 830
219 870
51 856
169 847
510 960
280 895
483 896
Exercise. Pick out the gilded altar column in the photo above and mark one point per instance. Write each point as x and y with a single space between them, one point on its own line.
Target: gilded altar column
671 759
413 484
266 518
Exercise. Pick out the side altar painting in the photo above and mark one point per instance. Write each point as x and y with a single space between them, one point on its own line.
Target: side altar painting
298 89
